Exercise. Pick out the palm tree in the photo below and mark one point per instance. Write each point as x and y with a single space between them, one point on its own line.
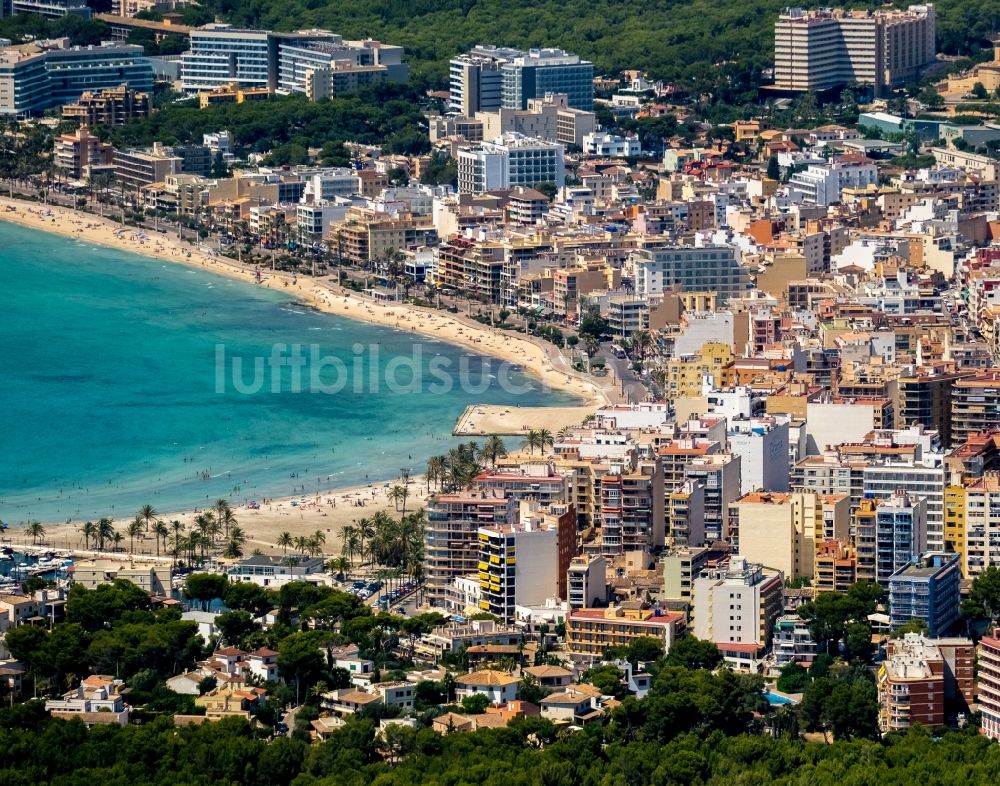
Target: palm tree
225 516
177 528
642 340
563 433
105 532
89 530
117 539
36 530
493 450
285 541
350 541
395 495
340 566
238 536
160 532
383 542
531 441
436 470
312 546
196 542
317 541
234 549
207 526
366 531
301 543
134 530
148 515
544 438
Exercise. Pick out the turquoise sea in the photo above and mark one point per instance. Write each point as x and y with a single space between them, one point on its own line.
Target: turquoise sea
112 393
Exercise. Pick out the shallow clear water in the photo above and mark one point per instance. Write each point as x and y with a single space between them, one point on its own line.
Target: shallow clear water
112 394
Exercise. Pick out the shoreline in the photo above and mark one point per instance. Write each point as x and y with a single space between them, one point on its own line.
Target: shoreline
302 515
544 363
541 360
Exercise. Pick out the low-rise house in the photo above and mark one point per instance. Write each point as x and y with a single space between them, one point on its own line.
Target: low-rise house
205 621
483 654
395 694
263 664
269 571
573 704
348 701
12 674
187 684
231 699
452 722
497 686
451 638
16 610
153 577
97 700
549 676
229 660
324 727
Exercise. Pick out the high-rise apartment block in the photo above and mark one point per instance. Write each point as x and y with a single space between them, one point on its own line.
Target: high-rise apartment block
926 589
451 538
525 562
900 533
37 76
76 155
988 685
736 607
586 582
921 679
783 531
692 268
315 62
488 78
975 406
820 50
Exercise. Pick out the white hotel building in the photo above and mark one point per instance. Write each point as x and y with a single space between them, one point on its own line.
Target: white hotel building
512 160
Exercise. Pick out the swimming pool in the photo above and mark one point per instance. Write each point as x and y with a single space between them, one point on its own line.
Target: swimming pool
774 698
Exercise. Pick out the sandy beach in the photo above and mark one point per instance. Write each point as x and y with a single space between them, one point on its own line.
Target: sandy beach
330 510
327 512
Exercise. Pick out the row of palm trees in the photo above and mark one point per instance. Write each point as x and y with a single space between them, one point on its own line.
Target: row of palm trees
215 530
538 438
397 545
460 466
307 545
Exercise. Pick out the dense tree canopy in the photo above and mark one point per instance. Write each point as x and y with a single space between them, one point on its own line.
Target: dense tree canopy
678 740
288 126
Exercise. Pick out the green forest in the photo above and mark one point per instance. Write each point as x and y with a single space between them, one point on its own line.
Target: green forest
288 126
693 729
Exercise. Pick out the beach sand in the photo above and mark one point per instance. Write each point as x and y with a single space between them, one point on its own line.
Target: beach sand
327 512
482 419
316 511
